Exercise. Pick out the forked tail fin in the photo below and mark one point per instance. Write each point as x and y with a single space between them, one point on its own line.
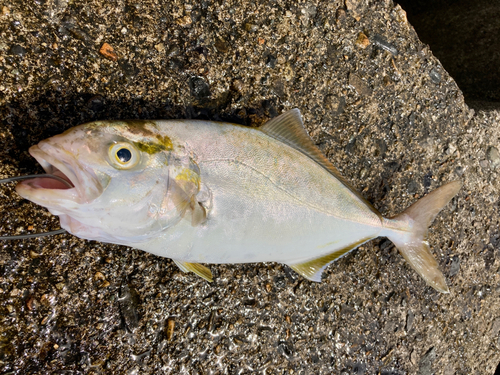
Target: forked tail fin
409 233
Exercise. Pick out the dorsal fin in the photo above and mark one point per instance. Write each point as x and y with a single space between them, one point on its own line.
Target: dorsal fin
289 129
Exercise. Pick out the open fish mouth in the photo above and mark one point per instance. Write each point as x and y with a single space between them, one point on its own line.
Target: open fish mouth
82 185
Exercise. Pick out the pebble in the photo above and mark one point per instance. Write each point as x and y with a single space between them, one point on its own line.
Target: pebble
184 21
493 156
435 76
221 45
170 328
359 85
484 164
382 43
455 265
340 16
160 47
108 52
17 50
362 41
425 364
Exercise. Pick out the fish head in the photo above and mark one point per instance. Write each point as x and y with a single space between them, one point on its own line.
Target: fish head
126 182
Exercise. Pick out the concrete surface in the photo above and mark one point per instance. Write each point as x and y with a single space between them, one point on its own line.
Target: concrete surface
376 101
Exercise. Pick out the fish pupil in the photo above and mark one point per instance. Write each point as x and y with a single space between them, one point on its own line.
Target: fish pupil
124 155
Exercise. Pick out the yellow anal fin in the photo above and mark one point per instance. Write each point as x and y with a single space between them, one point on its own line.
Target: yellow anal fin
313 269
200 270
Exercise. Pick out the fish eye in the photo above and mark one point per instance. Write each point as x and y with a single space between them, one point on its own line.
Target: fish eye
123 155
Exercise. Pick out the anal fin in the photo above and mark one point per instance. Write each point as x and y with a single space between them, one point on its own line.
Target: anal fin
200 270
312 269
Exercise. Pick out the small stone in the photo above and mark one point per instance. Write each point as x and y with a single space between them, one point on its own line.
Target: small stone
340 15
221 45
199 87
288 72
495 327
5 11
410 317
413 357
359 85
352 7
484 164
108 52
271 61
170 328
184 21
31 303
425 364
251 27
493 156
455 265
362 41
17 50
435 76
334 104
160 47
459 171
382 43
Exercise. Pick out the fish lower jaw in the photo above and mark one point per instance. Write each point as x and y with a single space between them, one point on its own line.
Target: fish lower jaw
49 198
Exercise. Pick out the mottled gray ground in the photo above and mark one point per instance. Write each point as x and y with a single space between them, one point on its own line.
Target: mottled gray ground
376 101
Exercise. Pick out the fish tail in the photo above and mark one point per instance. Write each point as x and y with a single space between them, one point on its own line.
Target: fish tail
408 231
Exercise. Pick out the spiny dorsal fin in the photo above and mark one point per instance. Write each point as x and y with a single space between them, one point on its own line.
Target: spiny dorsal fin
312 269
196 268
289 129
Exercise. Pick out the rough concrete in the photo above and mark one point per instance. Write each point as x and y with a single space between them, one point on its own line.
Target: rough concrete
376 101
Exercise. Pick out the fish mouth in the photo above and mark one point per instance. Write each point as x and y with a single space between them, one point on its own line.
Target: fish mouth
82 185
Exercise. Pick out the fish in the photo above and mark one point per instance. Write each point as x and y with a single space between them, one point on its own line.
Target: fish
201 192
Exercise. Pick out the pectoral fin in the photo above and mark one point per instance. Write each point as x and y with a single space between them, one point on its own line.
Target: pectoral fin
312 269
196 268
198 213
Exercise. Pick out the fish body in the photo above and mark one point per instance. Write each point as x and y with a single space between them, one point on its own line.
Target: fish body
211 192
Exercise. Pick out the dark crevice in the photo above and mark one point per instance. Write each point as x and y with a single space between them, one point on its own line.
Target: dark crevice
497 371
463 35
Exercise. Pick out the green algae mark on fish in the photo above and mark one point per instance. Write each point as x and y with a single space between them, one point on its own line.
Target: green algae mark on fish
163 143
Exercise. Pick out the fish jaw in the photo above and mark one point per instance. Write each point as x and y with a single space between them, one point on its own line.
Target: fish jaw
53 194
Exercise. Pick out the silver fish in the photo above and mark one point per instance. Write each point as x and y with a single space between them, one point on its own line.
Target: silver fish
212 192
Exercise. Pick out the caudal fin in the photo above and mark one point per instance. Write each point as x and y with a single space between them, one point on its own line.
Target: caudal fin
409 233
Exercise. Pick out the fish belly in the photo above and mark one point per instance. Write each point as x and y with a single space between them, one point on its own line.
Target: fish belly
270 203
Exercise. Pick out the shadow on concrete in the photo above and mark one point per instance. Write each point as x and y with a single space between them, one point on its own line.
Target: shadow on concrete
463 35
